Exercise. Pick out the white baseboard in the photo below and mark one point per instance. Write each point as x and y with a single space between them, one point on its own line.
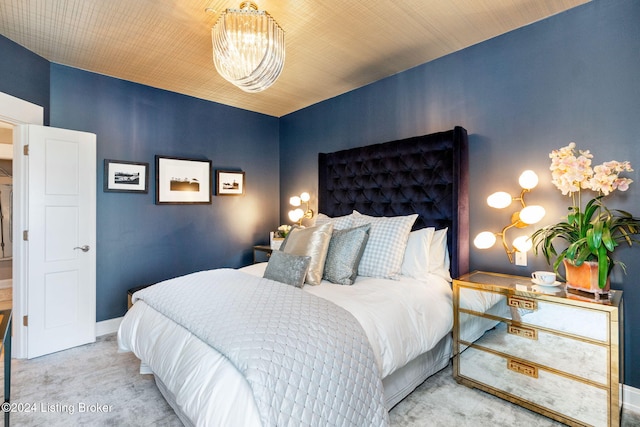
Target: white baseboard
631 398
108 326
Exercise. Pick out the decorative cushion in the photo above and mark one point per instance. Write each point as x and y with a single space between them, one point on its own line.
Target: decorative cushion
339 222
416 256
385 248
439 262
313 242
287 268
343 257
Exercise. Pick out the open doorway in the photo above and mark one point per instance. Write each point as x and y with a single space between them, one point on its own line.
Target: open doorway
14 112
6 215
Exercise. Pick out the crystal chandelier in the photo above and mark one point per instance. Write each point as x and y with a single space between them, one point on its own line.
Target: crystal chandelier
248 47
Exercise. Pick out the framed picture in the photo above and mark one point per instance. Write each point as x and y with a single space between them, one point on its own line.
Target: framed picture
230 183
182 181
126 177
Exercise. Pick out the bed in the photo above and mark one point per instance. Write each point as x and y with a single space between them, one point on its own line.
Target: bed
397 318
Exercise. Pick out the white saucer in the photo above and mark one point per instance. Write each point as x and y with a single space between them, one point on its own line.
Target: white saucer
548 285
546 289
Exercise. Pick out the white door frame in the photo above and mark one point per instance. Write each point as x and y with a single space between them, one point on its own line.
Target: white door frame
18 112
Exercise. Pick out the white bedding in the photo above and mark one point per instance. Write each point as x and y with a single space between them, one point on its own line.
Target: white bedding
402 319
207 389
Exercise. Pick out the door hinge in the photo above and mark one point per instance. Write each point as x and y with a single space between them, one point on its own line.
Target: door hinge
25 150
25 235
25 320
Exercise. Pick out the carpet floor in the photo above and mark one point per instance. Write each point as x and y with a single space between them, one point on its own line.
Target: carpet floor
94 385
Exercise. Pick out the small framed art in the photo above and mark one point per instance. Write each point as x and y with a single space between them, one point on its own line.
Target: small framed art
182 181
126 177
229 183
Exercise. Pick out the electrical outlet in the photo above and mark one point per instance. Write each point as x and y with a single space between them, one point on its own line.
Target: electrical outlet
521 258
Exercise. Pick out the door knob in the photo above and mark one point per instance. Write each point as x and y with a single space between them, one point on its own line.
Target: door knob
84 248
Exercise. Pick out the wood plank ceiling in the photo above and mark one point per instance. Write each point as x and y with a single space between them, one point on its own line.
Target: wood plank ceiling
332 46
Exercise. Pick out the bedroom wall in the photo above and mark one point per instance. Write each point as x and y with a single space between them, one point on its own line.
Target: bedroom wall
139 242
24 74
572 77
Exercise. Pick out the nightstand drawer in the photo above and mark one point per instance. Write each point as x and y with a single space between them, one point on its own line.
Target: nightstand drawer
578 321
585 403
575 357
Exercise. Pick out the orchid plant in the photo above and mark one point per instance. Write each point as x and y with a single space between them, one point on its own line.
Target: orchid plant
592 233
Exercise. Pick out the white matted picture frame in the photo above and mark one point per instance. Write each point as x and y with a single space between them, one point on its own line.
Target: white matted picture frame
122 176
229 183
183 181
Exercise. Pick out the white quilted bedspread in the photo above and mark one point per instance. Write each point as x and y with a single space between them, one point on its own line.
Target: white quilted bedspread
307 360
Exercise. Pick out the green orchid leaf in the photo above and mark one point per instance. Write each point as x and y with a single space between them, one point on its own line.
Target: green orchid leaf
603 267
594 236
607 240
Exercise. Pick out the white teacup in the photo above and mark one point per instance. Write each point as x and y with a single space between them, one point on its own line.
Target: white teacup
548 277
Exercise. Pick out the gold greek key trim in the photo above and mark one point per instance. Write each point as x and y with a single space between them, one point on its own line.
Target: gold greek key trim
522 332
524 303
521 368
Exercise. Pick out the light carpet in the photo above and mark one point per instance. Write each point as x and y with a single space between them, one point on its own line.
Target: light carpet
94 385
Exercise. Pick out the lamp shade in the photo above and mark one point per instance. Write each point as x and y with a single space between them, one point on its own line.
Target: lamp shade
248 47
484 240
294 201
532 214
296 215
499 200
522 243
528 179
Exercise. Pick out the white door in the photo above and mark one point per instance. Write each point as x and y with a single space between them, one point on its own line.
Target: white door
61 289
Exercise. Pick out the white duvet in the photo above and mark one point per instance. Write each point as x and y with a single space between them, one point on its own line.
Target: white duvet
402 319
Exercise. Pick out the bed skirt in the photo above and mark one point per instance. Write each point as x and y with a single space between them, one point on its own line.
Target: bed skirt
403 381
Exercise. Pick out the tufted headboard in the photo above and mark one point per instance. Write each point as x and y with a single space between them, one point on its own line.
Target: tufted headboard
427 175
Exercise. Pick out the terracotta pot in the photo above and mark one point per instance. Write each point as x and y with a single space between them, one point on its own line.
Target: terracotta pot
584 277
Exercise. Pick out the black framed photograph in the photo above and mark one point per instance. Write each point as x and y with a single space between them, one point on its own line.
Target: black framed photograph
230 183
183 181
126 177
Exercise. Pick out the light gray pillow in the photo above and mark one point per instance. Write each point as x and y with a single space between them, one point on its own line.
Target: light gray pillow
343 257
339 222
387 242
287 268
313 242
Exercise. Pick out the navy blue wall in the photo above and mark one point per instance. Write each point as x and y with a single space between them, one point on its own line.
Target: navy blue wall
573 77
139 242
24 74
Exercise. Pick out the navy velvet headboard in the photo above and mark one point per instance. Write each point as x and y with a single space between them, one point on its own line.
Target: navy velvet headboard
427 175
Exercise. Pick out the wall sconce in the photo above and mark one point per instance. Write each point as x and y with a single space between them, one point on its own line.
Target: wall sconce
297 215
528 215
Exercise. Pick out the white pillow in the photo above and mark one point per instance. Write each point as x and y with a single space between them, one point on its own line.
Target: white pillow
383 254
416 256
339 222
439 261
